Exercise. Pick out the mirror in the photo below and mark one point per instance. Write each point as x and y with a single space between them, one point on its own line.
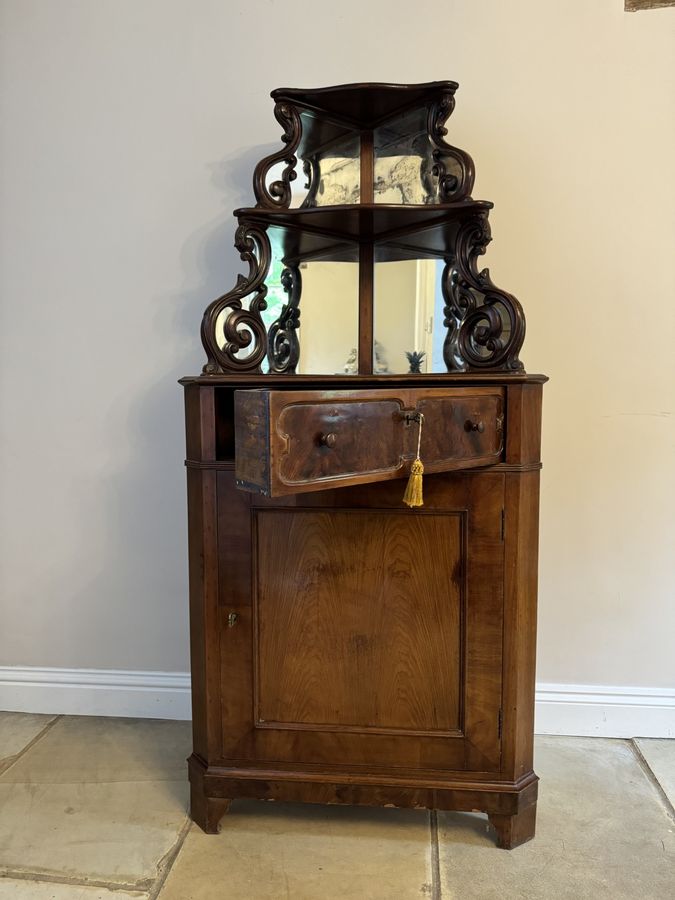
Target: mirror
327 296
408 316
329 323
403 161
327 175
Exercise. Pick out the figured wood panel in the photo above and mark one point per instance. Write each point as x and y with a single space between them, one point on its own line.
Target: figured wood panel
476 752
368 437
359 620
470 428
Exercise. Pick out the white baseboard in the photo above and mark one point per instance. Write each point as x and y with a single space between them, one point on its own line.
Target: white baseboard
95 692
573 709
605 711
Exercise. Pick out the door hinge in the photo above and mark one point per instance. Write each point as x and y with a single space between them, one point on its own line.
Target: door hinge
500 720
503 518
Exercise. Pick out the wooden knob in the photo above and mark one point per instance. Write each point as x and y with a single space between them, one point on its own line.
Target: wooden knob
474 426
327 440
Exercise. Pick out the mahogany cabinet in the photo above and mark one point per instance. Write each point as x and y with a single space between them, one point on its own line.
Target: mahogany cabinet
348 648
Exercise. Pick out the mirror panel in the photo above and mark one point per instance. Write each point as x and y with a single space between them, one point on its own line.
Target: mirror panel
408 316
332 174
328 304
329 175
403 161
329 323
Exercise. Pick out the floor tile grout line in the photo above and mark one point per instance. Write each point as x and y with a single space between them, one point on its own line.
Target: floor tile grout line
29 746
168 860
74 881
435 857
651 777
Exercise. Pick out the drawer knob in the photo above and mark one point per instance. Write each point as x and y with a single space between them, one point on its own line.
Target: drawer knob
327 440
474 426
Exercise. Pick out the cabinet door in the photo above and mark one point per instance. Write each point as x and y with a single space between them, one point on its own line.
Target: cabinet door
358 633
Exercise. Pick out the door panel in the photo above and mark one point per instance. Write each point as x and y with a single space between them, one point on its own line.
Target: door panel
364 632
356 629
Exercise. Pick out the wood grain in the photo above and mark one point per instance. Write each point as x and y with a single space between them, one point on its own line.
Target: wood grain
346 759
475 499
359 620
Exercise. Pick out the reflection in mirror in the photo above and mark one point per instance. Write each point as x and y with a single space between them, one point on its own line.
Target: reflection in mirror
324 335
329 324
325 176
333 174
403 161
408 316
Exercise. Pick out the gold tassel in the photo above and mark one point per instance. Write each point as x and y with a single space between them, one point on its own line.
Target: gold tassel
413 491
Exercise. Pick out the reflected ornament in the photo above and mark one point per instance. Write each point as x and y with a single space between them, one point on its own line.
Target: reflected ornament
283 346
415 359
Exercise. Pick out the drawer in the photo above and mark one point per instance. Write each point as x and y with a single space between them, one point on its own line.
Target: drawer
288 442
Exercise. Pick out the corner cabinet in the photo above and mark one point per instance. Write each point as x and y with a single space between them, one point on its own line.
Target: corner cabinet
347 647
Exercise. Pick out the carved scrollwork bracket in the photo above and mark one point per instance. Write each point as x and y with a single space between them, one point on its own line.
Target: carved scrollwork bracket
456 184
278 194
486 325
283 346
241 326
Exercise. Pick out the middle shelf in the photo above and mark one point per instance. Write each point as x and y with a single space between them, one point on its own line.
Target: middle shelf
333 233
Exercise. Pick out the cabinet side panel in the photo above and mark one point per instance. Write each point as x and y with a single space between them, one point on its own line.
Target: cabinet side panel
484 625
203 572
200 422
523 433
520 627
204 648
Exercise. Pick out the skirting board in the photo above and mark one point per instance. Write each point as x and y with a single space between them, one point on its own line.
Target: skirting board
573 709
95 692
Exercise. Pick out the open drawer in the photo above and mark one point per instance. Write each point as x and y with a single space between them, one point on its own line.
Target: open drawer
288 442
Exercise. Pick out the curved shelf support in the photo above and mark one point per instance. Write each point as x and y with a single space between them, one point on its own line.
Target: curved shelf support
458 184
486 325
283 346
278 194
241 326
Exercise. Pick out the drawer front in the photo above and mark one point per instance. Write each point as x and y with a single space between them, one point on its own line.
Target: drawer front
338 439
296 441
461 429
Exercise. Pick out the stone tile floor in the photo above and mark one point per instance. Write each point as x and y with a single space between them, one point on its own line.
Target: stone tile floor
95 809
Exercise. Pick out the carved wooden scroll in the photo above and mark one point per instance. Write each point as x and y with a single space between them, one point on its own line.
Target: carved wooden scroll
241 326
458 183
278 194
486 325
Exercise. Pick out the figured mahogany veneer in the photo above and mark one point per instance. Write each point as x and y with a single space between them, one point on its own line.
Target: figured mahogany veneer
297 441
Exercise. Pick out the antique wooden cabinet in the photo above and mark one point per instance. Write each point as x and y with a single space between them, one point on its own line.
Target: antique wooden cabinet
347 647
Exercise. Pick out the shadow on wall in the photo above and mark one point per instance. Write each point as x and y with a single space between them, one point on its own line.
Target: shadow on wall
135 508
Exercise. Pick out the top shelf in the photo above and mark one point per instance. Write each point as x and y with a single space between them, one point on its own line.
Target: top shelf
364 106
